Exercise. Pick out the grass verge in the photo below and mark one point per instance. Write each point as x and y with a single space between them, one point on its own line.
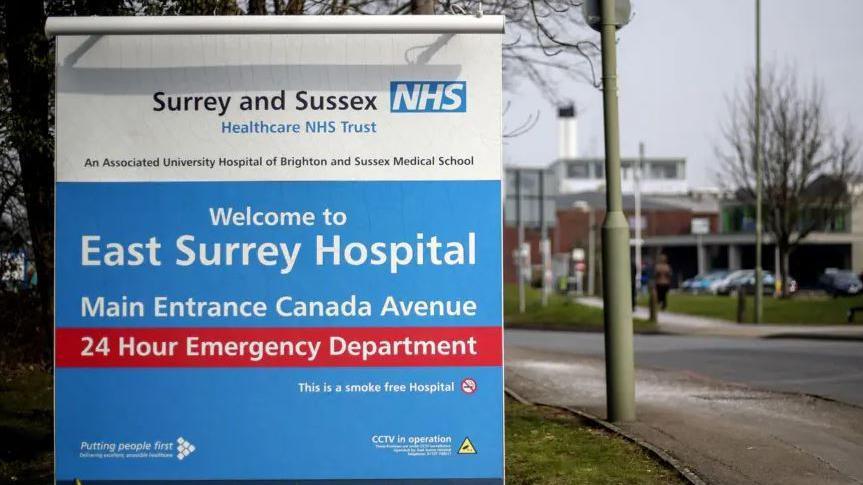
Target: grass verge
26 426
813 310
562 313
549 446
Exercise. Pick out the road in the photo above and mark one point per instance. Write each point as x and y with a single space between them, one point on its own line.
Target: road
831 369
690 401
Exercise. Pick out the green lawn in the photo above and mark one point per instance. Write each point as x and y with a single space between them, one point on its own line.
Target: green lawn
547 446
561 313
821 310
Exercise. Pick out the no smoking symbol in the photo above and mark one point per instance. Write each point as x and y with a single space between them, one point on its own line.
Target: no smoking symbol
468 386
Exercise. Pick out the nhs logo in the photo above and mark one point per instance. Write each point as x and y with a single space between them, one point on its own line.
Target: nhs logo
428 96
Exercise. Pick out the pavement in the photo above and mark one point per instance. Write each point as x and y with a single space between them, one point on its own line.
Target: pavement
683 324
729 433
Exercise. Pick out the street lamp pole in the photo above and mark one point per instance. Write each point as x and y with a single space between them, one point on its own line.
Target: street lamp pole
759 281
637 194
591 252
544 242
519 251
591 244
617 298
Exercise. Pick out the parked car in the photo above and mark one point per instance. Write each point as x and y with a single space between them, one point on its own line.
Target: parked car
840 282
728 284
701 283
744 280
768 284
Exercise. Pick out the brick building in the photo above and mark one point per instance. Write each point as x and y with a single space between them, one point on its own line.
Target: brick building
569 226
561 199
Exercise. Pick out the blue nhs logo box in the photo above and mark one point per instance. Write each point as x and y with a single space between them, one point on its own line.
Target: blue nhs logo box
428 96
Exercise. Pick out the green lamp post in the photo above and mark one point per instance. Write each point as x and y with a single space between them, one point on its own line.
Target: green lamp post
607 16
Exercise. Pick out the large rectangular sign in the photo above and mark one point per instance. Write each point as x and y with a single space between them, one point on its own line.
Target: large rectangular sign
278 257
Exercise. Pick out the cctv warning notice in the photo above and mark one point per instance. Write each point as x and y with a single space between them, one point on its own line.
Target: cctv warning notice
273 266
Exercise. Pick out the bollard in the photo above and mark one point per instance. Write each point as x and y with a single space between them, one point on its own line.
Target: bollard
651 302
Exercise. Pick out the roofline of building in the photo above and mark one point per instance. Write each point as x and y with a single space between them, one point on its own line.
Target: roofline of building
622 159
548 165
748 238
523 166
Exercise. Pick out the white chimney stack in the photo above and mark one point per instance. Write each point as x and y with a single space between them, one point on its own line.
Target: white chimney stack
567 133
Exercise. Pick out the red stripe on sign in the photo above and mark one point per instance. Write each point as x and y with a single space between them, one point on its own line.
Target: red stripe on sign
279 347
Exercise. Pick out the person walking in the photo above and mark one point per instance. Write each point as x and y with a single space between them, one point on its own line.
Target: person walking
662 275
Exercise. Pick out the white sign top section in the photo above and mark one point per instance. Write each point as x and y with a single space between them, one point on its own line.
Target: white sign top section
381 106
269 24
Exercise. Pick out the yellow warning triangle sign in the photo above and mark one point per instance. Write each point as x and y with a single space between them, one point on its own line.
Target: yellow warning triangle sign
466 447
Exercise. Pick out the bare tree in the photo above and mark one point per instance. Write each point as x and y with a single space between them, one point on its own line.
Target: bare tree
809 170
11 192
546 41
422 7
257 7
293 7
193 7
28 130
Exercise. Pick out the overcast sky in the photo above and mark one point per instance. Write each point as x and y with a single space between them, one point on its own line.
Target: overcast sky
680 59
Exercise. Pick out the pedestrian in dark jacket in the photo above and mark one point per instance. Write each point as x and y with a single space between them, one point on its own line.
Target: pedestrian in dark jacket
662 275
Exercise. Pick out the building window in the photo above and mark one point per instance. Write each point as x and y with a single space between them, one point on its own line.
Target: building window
663 170
598 170
821 220
840 223
577 170
510 182
738 219
742 219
